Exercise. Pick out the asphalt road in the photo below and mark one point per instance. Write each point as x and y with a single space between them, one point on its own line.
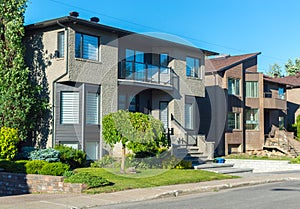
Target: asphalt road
283 195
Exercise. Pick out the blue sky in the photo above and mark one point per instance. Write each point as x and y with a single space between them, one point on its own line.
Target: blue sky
225 26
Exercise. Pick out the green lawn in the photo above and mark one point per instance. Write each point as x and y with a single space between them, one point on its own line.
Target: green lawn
255 157
149 178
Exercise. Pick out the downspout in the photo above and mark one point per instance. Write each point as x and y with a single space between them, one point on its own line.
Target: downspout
58 78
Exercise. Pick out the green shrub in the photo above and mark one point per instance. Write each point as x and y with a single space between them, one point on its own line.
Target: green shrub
9 140
106 161
170 162
13 166
49 155
68 173
296 160
54 169
35 166
90 180
73 157
25 153
184 165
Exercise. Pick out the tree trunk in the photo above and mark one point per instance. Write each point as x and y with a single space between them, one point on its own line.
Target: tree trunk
122 170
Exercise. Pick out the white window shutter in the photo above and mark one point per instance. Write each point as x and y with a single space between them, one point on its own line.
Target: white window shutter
69 108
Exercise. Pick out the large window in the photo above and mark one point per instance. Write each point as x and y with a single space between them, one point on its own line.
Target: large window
252 89
233 120
281 93
69 112
252 119
92 108
92 150
193 67
233 86
61 44
86 47
189 116
135 64
163 60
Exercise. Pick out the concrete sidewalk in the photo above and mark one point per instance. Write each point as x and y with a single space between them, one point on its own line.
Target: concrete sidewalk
76 201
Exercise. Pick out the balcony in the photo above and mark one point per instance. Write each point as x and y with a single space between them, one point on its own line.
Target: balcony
133 73
274 100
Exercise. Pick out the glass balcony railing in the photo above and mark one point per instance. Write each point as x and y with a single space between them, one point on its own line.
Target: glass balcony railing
134 71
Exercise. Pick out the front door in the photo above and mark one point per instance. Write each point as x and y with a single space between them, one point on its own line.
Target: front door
163 114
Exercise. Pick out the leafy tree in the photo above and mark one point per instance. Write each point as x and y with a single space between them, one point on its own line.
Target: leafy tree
135 131
274 69
19 106
9 140
291 67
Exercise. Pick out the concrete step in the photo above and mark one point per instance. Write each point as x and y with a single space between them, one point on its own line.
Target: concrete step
213 165
230 170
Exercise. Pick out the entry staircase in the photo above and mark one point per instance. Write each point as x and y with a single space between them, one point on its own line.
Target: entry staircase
190 147
282 141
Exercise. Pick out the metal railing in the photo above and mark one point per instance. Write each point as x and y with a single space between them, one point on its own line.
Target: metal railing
130 70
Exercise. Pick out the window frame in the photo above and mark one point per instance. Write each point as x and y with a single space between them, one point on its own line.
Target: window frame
81 47
189 124
61 45
253 122
193 71
75 111
237 83
253 93
236 121
97 115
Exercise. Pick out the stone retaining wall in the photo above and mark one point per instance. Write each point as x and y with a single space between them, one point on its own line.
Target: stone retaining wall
13 184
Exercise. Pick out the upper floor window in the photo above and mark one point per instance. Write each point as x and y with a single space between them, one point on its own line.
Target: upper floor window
252 119
69 107
60 44
86 46
252 89
281 93
164 60
233 86
233 120
193 67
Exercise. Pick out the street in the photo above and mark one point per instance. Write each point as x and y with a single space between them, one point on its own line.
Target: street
275 196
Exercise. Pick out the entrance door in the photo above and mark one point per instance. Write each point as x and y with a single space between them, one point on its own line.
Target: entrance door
163 114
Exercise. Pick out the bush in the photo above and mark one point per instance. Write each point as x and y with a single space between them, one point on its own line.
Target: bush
106 161
68 173
90 180
35 166
54 169
9 140
73 157
25 153
49 155
13 166
296 160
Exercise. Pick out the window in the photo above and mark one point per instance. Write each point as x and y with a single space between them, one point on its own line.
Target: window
86 46
281 93
192 67
281 122
233 120
164 60
252 89
128 102
189 116
135 64
92 108
233 86
61 44
252 119
92 150
69 113
73 145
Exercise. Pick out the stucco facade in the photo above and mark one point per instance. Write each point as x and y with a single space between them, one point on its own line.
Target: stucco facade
110 80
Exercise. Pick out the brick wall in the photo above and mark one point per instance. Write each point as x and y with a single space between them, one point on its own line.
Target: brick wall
13 184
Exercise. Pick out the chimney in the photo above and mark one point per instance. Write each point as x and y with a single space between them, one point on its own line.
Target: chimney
74 14
275 75
95 19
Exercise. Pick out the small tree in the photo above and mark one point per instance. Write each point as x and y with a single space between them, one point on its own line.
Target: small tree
133 130
292 68
274 69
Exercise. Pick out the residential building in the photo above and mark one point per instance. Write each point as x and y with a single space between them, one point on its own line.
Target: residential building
90 69
241 104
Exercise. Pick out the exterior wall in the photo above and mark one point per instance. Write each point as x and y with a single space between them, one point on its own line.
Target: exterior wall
293 104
